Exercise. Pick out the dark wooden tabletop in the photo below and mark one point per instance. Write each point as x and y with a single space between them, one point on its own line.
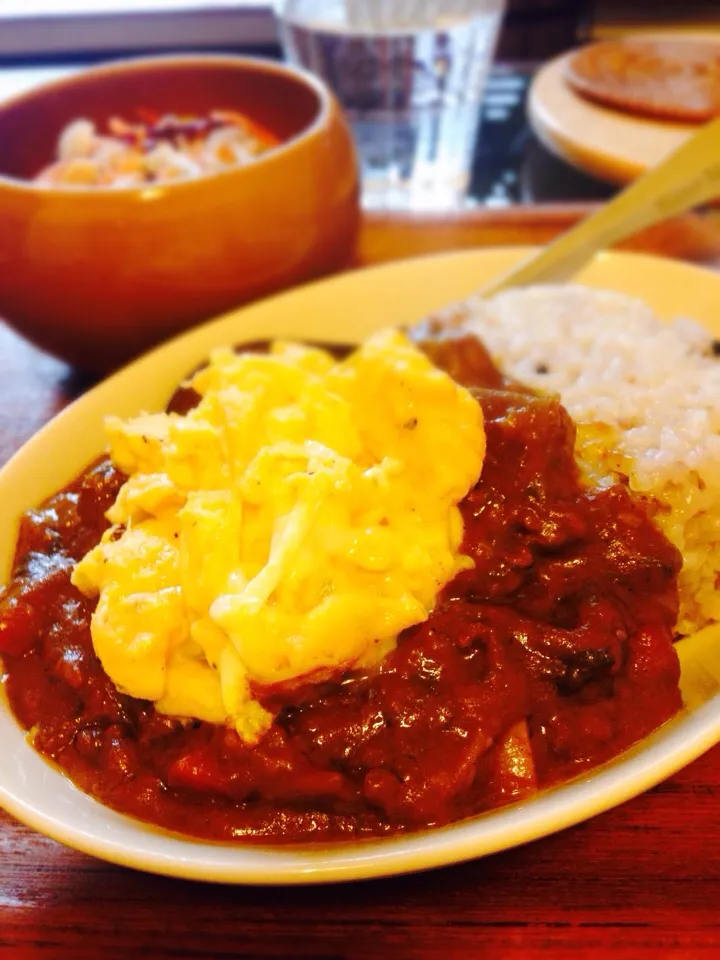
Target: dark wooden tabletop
640 881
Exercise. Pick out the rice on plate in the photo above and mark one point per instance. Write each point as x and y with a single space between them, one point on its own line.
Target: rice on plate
645 396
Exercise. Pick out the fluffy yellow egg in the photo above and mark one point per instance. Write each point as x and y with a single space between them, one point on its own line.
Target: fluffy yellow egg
285 530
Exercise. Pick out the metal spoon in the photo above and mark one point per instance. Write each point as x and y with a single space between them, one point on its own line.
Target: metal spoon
687 178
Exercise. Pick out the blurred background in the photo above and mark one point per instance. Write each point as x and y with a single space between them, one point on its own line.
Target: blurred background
41 39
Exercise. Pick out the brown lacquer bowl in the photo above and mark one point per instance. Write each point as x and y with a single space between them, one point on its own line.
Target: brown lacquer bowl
96 274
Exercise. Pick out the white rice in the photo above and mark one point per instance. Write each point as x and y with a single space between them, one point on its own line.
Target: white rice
646 398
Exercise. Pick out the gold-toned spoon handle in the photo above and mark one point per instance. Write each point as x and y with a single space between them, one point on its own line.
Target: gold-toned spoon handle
689 177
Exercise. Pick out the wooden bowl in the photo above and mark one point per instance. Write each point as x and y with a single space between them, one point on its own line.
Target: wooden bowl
95 275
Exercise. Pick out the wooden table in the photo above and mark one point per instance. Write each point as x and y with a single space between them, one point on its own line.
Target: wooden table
640 881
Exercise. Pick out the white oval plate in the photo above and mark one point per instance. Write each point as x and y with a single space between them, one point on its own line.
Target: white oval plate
340 309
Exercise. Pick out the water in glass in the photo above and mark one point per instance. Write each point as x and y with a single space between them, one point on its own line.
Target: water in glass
410 75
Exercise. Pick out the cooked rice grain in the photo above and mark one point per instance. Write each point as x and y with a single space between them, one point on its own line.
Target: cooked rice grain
646 398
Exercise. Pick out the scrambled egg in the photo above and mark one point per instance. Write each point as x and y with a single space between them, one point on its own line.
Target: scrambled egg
285 530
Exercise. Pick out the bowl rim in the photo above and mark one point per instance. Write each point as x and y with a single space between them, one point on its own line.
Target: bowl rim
326 105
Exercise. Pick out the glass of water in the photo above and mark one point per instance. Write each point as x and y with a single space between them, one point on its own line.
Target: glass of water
410 75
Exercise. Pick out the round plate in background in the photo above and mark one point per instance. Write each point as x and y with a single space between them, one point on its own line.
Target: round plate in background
606 143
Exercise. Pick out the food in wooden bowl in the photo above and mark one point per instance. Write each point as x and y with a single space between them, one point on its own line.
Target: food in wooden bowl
154 149
339 597
97 275
663 78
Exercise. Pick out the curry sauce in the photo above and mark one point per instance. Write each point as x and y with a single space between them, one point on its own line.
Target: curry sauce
555 651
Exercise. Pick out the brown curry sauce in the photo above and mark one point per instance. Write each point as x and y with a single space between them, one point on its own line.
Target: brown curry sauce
557 646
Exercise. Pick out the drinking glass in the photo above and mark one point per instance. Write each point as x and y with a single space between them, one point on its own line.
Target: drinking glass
410 75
